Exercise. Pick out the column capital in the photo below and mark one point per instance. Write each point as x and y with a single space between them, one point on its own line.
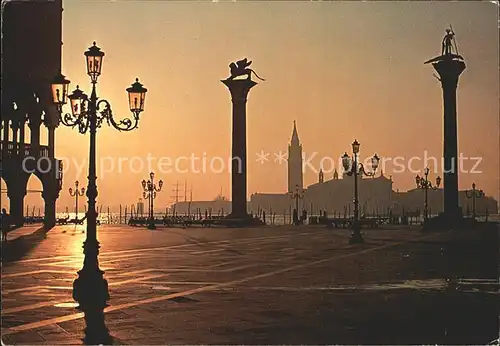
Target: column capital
449 71
51 189
239 88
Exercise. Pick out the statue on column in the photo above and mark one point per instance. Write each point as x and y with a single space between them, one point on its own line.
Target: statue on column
240 68
447 44
449 48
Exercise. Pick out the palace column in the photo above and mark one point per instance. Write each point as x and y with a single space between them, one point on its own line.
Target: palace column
50 195
239 89
34 125
16 191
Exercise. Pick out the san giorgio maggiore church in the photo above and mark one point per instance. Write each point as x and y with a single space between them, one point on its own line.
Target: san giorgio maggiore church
335 195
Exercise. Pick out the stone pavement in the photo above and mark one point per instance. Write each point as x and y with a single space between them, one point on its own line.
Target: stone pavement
22 231
270 285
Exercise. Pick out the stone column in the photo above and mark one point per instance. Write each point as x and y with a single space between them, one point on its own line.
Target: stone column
449 70
51 122
22 140
5 138
49 219
34 125
51 143
16 196
50 194
239 89
15 144
51 189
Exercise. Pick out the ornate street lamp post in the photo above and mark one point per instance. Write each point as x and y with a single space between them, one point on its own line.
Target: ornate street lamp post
149 193
354 168
88 114
425 184
474 194
77 193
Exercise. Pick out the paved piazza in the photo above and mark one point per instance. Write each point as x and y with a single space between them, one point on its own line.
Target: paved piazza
270 285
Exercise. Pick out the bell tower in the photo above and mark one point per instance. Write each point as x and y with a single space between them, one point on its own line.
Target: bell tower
295 174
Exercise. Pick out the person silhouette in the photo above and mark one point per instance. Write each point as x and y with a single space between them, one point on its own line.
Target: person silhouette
5 223
295 217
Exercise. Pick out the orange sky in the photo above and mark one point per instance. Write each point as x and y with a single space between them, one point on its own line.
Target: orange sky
342 70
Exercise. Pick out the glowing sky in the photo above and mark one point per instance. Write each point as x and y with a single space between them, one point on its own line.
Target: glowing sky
342 70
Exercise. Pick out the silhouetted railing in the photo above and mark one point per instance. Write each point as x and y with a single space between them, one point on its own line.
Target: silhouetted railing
44 151
16 150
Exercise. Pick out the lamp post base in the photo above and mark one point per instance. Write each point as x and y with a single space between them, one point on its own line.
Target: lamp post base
356 238
96 332
90 289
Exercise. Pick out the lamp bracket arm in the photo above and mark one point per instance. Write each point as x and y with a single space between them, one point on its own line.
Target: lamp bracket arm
125 124
69 120
83 122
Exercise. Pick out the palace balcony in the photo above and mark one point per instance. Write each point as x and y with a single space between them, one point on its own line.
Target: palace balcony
15 150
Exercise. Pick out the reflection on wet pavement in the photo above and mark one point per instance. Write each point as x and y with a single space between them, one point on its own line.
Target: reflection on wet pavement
490 286
265 286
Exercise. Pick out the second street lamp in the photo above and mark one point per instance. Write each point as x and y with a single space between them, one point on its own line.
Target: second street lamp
298 194
474 194
354 168
88 114
149 193
425 184
77 193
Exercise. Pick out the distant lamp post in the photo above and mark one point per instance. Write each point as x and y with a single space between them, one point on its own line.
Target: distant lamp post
149 193
88 114
298 194
76 193
474 194
353 168
425 184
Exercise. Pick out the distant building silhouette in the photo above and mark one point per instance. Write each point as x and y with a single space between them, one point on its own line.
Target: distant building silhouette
295 174
332 196
140 207
216 206
412 200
